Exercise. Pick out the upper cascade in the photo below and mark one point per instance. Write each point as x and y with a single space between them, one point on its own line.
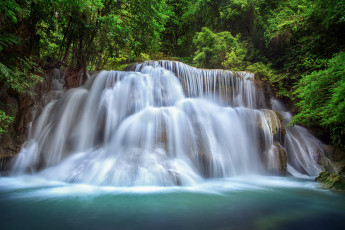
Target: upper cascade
165 123
233 88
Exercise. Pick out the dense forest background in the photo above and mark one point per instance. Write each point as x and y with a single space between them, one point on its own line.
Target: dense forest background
296 46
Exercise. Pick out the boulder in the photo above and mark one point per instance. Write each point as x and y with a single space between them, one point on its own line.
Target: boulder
274 121
331 181
275 159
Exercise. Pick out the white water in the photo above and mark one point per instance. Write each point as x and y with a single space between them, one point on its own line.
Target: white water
39 187
164 124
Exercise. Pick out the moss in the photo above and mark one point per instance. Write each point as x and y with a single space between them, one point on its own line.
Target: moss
331 181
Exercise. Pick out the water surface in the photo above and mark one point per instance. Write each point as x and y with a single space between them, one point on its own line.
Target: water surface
251 202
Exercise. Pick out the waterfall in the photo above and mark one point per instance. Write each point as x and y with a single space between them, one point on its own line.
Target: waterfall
166 123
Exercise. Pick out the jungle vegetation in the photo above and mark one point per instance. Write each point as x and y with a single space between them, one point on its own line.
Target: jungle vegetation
296 46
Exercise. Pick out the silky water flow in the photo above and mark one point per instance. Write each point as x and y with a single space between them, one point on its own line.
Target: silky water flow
164 123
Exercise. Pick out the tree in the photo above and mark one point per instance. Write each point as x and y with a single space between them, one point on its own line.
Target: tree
322 98
218 50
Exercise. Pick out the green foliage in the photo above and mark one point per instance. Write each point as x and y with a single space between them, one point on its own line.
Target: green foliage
218 50
235 58
174 29
285 43
331 181
296 38
89 33
331 11
5 120
289 17
235 8
322 98
298 30
7 40
222 50
9 8
207 53
277 80
22 76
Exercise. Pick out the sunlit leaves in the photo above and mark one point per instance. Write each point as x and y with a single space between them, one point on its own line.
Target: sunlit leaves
288 18
322 97
219 50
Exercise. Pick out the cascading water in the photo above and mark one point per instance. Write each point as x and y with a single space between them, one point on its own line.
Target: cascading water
165 123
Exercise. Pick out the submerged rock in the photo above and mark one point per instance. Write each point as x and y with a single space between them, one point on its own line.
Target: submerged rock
331 181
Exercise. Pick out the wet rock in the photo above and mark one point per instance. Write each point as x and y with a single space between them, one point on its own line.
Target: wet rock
334 153
329 150
342 171
9 104
331 181
75 78
326 164
330 158
275 159
323 158
339 155
25 101
7 153
23 107
282 159
274 120
24 114
271 129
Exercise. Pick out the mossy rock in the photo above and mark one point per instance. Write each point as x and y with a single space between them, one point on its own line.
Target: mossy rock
331 181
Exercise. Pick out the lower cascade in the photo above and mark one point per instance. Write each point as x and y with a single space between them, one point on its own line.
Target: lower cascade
164 123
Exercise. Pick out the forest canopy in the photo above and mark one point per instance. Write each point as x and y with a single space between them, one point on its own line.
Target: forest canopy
295 46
